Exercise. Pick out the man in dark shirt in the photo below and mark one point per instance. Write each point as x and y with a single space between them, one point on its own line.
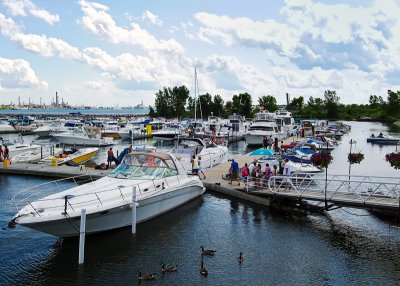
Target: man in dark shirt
234 172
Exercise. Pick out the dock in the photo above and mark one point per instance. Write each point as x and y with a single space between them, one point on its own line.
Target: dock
330 192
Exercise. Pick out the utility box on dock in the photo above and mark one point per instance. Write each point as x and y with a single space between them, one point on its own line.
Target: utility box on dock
6 163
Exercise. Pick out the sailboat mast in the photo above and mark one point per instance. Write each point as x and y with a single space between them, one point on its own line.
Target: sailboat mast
195 96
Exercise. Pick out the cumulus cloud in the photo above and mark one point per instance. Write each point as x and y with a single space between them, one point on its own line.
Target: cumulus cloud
316 34
17 73
25 7
150 17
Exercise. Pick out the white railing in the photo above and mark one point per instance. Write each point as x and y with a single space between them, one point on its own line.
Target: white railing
356 189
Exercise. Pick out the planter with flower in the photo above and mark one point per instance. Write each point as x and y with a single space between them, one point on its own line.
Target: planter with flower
394 159
321 159
355 158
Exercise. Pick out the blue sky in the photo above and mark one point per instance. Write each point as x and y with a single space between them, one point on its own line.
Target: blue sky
119 53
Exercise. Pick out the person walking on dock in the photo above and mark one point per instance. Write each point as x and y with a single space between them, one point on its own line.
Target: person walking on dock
287 171
245 174
234 170
267 175
1 153
195 166
265 142
201 168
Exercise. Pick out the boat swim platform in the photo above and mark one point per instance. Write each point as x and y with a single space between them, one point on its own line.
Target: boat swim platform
45 170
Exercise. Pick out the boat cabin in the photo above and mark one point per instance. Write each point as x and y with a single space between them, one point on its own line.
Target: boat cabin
147 166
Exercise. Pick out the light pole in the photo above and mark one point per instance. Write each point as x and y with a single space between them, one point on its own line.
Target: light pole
326 178
351 145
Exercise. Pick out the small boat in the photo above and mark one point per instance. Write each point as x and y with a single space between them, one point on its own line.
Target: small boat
16 149
161 182
76 158
296 167
34 156
383 139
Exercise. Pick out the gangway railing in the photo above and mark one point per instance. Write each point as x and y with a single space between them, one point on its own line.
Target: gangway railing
356 190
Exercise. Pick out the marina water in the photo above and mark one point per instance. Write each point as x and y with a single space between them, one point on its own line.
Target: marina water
346 247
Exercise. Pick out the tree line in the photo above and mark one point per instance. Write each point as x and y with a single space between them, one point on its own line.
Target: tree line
177 102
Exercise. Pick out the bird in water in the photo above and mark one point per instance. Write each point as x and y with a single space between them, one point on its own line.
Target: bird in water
241 257
167 268
208 252
203 270
146 276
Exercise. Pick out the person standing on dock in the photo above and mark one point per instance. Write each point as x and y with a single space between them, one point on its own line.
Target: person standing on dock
265 142
234 170
1 153
245 174
110 157
6 153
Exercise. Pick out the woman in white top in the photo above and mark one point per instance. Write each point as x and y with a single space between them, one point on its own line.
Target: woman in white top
201 167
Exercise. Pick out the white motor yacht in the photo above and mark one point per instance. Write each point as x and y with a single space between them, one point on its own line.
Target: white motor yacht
169 132
286 121
264 125
162 185
51 128
211 154
80 136
5 127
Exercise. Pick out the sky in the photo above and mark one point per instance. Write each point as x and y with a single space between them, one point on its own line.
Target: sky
120 53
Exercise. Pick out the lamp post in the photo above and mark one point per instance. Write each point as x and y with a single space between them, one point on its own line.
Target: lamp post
326 178
351 145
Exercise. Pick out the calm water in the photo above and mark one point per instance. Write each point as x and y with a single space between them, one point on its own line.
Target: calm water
349 247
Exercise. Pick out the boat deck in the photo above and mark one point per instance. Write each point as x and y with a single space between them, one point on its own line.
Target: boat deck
44 170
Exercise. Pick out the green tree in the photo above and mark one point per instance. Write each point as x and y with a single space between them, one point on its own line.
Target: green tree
218 106
393 103
331 103
171 102
242 104
152 113
296 104
268 102
205 103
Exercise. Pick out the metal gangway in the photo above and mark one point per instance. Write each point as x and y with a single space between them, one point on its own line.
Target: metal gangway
335 190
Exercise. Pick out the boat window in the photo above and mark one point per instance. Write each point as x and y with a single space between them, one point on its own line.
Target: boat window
144 167
261 128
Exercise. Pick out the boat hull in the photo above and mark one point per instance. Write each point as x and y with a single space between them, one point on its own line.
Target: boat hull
70 140
119 216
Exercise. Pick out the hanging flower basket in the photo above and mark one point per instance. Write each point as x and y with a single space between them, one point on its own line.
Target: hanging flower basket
321 159
393 159
355 158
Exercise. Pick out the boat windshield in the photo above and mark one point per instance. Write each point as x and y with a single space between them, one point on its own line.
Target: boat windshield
144 167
